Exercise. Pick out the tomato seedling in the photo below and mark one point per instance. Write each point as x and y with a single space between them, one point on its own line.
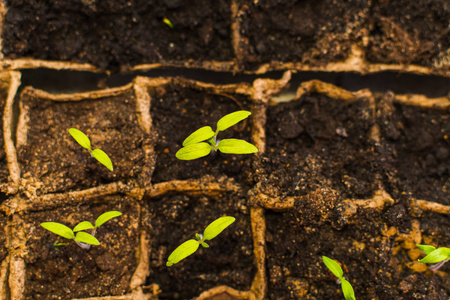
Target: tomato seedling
83 239
194 146
84 142
190 246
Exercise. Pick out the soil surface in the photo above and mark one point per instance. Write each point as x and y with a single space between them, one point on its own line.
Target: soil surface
53 157
319 151
319 145
174 219
418 141
119 34
69 272
301 31
177 111
319 32
4 173
116 34
410 32
373 264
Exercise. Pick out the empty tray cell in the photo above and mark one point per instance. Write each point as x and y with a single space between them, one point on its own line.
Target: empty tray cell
67 272
177 110
417 145
174 219
409 32
309 32
116 34
318 145
53 161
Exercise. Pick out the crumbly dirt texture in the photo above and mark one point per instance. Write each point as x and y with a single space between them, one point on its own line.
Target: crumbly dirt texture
317 142
174 219
296 270
320 32
417 144
319 152
301 31
71 272
409 32
4 173
116 34
177 111
323 155
53 157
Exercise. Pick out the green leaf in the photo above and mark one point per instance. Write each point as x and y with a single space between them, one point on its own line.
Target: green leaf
347 290
59 229
81 138
231 119
217 227
427 249
182 251
103 158
86 238
106 217
199 135
83 226
235 146
436 256
198 237
168 22
333 266
205 245
59 244
193 151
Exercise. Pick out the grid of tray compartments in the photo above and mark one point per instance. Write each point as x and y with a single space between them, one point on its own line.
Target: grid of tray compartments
229 35
134 247
329 179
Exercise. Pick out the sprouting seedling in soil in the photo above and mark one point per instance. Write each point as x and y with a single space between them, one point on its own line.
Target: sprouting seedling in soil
58 244
438 256
194 146
336 269
83 239
190 246
168 23
84 142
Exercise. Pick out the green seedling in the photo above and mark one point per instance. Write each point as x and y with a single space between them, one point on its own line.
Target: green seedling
336 269
84 142
168 23
58 244
438 256
194 146
190 246
83 239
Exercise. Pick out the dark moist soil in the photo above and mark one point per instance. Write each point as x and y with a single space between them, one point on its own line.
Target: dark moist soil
3 250
296 270
177 111
417 141
319 32
52 156
299 31
4 173
72 272
174 219
115 34
409 32
318 147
